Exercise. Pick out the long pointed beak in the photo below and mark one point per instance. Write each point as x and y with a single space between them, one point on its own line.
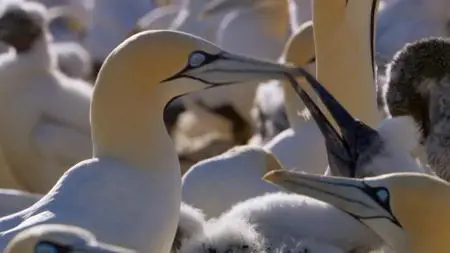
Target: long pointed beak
226 68
353 196
343 151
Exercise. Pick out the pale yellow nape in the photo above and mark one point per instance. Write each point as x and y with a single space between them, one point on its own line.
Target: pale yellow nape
421 203
342 32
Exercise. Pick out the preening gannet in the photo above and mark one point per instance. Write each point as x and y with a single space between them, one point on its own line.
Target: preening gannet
59 238
134 160
216 184
360 150
408 210
44 114
418 85
344 40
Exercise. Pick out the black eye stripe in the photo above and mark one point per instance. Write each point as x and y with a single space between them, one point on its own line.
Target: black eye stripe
208 58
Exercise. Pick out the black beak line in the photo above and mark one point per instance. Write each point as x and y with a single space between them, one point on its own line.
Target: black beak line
343 152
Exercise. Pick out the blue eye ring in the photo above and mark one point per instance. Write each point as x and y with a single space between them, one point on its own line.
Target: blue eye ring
383 194
196 59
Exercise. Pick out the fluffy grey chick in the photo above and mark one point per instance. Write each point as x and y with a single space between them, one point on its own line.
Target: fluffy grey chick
418 85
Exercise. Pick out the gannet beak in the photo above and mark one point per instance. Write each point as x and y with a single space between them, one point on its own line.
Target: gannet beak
225 68
353 196
356 137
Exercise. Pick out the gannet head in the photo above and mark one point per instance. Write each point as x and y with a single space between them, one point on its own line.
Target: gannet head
21 23
418 85
300 48
405 209
59 238
181 63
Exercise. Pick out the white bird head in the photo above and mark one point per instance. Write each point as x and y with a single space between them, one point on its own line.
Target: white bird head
58 239
21 23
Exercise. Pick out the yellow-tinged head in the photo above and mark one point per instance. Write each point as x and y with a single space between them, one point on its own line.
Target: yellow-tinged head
299 49
59 238
410 211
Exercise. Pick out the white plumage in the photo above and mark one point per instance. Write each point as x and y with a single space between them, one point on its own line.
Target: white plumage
48 130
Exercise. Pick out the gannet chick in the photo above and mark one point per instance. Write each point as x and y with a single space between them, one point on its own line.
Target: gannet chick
59 238
225 236
191 222
235 176
48 129
280 222
385 205
133 158
418 85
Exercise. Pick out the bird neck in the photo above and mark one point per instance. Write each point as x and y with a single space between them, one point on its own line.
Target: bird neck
344 54
432 233
425 218
127 121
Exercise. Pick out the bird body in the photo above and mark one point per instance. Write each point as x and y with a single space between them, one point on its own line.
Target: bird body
50 128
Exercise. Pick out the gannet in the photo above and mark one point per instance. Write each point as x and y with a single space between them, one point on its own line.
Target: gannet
405 21
418 85
358 150
408 210
280 222
235 176
59 238
132 151
344 40
45 114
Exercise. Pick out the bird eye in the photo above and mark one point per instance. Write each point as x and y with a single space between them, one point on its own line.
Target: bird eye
46 248
196 59
383 194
